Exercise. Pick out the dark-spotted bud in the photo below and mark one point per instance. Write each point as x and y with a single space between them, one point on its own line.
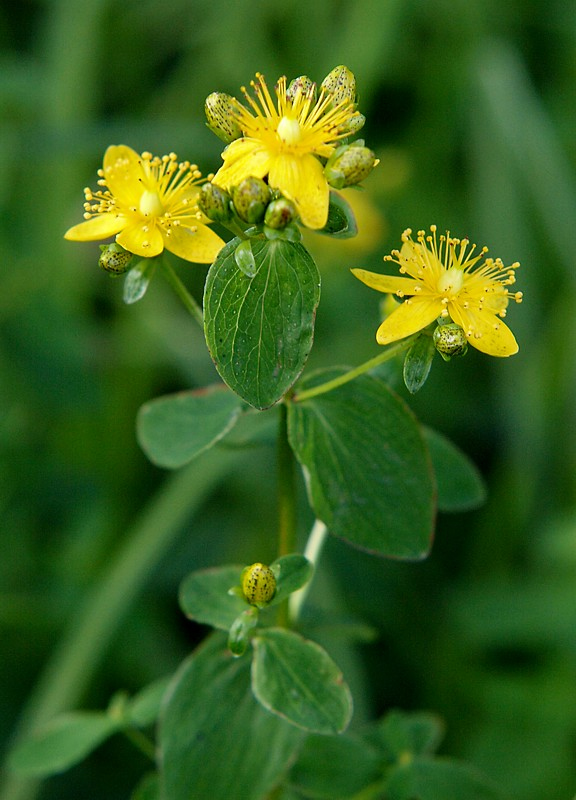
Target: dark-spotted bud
354 124
220 110
450 340
302 85
114 259
258 584
214 202
349 165
279 213
341 84
250 199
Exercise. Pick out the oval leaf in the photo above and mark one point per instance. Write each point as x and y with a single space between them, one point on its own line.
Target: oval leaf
204 596
367 467
341 223
438 779
418 362
137 280
297 680
460 484
292 572
259 329
173 430
215 740
63 742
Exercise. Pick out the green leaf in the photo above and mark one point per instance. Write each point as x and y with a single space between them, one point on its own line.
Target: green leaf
297 680
367 467
259 329
144 707
291 572
416 733
204 596
439 779
335 766
148 788
173 430
341 222
63 742
137 280
418 362
459 482
215 740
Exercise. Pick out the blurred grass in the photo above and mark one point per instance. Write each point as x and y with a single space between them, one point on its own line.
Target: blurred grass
470 105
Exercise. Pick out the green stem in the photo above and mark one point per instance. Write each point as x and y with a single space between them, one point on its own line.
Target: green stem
78 655
182 292
312 552
142 743
391 352
286 488
236 229
286 500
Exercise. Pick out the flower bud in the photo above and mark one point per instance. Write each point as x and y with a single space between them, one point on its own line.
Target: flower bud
220 111
303 85
214 202
258 584
354 124
341 84
349 165
114 259
450 340
280 213
250 199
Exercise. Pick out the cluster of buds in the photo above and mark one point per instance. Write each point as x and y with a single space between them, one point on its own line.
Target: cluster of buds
252 201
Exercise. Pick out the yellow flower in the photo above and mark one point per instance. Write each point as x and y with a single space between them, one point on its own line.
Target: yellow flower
285 141
148 203
444 283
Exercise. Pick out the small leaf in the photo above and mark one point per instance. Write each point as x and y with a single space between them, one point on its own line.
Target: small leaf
173 430
148 788
216 741
144 707
415 733
137 280
205 597
245 258
297 680
341 222
459 482
418 362
259 329
239 635
63 742
439 779
335 766
367 468
292 572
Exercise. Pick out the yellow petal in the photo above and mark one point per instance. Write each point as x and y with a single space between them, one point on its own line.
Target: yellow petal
100 227
301 179
485 331
143 240
200 246
242 159
412 316
123 173
388 283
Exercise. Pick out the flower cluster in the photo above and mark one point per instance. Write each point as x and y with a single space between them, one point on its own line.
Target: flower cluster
288 139
149 204
445 282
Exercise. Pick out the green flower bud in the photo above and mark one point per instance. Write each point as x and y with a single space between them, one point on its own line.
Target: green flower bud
450 340
258 584
341 84
354 124
250 199
302 84
349 165
220 111
280 213
114 259
214 202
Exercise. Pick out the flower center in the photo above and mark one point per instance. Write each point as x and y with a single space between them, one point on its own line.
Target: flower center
451 281
150 204
289 130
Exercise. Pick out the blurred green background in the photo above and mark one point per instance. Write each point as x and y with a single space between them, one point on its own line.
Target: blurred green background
471 109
